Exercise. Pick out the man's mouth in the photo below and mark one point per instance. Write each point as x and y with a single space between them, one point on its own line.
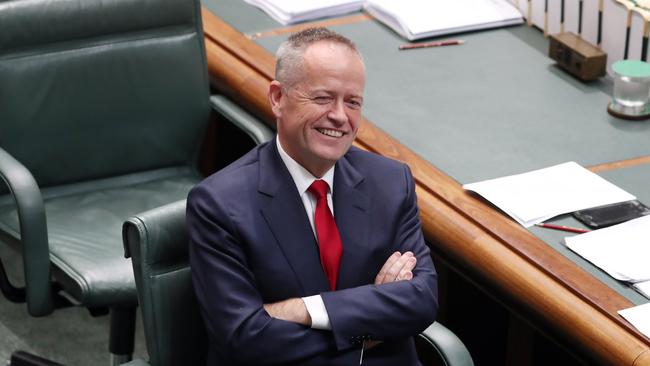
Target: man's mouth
328 132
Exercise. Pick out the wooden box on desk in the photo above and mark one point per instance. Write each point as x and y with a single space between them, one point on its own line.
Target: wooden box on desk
577 56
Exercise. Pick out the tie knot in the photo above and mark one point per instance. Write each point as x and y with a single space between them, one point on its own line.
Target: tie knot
319 188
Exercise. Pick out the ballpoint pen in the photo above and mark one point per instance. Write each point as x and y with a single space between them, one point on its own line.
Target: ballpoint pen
451 42
563 228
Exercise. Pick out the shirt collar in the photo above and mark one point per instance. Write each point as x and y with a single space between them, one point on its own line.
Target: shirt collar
301 176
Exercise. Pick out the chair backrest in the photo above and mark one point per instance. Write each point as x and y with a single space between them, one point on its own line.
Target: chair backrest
157 241
92 89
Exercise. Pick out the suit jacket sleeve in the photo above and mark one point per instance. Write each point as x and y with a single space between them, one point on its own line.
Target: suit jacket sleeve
239 325
398 309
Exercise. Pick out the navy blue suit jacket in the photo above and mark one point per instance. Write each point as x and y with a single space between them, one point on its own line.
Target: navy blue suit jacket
251 243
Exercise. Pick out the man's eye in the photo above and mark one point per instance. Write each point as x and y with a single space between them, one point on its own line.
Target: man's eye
322 99
355 104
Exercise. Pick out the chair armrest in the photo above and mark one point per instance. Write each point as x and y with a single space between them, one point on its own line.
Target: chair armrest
253 127
33 233
136 362
450 348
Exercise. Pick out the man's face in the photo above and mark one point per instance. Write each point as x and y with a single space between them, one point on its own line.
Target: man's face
318 117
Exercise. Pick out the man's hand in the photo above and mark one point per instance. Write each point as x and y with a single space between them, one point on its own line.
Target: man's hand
398 267
292 310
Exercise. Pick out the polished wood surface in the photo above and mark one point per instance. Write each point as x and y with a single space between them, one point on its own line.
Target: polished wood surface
472 235
620 164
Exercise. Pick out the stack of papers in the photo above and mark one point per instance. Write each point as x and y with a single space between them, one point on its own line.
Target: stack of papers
296 11
534 197
623 251
416 19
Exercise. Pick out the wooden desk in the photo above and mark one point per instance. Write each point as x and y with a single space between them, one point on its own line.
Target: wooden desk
474 237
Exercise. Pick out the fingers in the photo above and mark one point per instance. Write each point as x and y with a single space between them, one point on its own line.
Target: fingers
398 267
387 265
406 273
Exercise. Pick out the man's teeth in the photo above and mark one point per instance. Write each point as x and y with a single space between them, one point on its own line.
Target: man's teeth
332 133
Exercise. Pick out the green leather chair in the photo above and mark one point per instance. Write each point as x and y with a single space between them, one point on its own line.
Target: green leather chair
157 241
103 108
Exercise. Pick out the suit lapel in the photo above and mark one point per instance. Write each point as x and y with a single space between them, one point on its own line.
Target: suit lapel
285 214
351 205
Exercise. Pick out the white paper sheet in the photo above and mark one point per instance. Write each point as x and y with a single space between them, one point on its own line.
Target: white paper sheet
644 288
295 11
639 316
536 196
621 250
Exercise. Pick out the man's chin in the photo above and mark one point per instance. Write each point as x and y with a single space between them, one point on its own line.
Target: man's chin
332 155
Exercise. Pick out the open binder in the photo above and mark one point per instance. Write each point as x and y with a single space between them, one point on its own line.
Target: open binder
416 19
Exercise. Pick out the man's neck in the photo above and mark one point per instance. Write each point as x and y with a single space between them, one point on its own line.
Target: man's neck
302 177
316 171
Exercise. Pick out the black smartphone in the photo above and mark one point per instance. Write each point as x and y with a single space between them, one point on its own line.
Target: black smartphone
608 215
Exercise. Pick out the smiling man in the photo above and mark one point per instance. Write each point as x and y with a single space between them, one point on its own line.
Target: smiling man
307 251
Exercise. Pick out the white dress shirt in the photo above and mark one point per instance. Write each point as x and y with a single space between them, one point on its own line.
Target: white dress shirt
303 179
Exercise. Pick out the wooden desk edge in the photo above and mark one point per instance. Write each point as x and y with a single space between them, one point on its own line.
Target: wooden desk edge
242 70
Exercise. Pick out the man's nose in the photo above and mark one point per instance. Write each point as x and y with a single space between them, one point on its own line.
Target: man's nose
337 112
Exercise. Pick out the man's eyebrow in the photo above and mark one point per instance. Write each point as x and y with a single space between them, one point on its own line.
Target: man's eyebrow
313 92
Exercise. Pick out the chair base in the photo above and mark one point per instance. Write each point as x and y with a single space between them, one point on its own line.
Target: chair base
117 360
122 334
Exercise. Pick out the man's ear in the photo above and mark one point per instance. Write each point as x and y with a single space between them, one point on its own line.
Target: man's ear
275 96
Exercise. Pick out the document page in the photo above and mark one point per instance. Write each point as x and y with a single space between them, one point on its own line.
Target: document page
295 11
644 288
639 316
536 196
623 250
415 19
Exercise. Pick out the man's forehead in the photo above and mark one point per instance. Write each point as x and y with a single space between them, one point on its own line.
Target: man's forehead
334 61
325 60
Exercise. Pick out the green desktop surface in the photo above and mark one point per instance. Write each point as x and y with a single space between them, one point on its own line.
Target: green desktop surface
495 106
243 17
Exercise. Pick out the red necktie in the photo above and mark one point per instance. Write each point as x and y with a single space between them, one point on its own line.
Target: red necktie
329 240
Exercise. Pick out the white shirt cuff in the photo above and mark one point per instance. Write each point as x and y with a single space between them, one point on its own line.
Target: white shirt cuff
316 309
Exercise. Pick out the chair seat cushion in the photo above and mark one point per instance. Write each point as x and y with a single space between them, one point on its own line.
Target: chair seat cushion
85 232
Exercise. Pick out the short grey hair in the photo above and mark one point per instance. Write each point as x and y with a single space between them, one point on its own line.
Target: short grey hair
290 53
